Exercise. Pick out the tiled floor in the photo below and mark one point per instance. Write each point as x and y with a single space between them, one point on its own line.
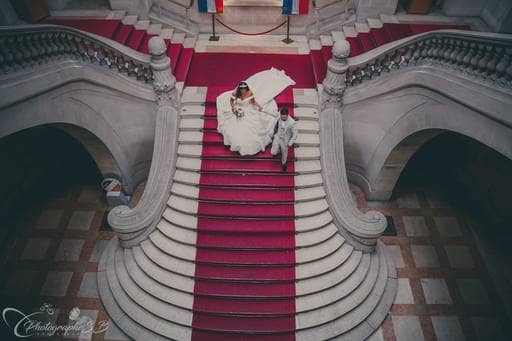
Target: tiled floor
444 290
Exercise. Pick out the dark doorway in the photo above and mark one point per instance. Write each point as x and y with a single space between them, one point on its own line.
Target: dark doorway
39 164
477 182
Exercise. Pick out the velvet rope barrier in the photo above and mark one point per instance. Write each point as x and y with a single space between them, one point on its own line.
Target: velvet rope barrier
251 34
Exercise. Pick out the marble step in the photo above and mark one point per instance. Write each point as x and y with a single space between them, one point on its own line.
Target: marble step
301 166
302 209
328 280
303 271
148 325
358 284
326 40
166 33
182 246
304 241
154 29
195 150
300 181
302 224
365 309
130 19
192 192
337 35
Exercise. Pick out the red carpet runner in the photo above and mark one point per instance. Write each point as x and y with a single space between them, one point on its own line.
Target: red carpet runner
245 259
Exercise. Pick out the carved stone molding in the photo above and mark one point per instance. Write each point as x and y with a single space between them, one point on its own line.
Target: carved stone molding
485 57
22 47
164 82
134 224
334 82
360 229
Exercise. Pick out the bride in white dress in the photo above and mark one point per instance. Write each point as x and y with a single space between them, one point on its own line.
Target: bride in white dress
246 116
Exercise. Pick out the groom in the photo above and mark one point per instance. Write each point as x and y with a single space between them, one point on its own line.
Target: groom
285 134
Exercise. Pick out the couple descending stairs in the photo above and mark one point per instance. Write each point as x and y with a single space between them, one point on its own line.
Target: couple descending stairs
243 250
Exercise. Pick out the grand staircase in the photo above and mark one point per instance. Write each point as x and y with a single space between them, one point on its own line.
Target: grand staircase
228 247
244 250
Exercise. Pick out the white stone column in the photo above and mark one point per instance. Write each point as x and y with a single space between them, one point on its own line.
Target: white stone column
372 8
498 15
133 7
463 8
7 14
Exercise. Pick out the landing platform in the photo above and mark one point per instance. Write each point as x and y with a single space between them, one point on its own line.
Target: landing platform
253 44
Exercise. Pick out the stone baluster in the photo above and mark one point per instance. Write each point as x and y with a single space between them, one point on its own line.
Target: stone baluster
486 57
430 50
493 62
417 55
397 58
457 51
409 52
437 50
501 68
473 63
508 72
450 47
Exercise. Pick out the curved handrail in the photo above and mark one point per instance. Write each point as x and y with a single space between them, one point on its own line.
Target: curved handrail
22 46
134 224
486 55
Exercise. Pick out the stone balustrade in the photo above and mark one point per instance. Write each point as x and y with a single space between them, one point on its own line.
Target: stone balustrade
25 46
134 224
485 56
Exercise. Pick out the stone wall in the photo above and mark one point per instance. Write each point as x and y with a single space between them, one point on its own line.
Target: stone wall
373 8
116 116
387 120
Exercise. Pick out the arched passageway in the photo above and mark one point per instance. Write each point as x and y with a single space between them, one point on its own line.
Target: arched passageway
455 193
47 175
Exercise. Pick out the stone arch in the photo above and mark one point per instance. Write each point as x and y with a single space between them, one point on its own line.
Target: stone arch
99 152
417 127
95 147
398 158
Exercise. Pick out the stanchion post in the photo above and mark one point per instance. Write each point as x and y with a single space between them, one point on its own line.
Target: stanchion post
287 40
213 37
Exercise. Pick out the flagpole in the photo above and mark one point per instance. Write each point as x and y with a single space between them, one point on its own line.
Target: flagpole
213 37
287 40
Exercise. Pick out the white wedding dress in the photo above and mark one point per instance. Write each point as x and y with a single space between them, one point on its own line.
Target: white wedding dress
252 132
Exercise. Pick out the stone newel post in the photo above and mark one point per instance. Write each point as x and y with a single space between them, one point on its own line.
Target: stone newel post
361 229
164 82
334 82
